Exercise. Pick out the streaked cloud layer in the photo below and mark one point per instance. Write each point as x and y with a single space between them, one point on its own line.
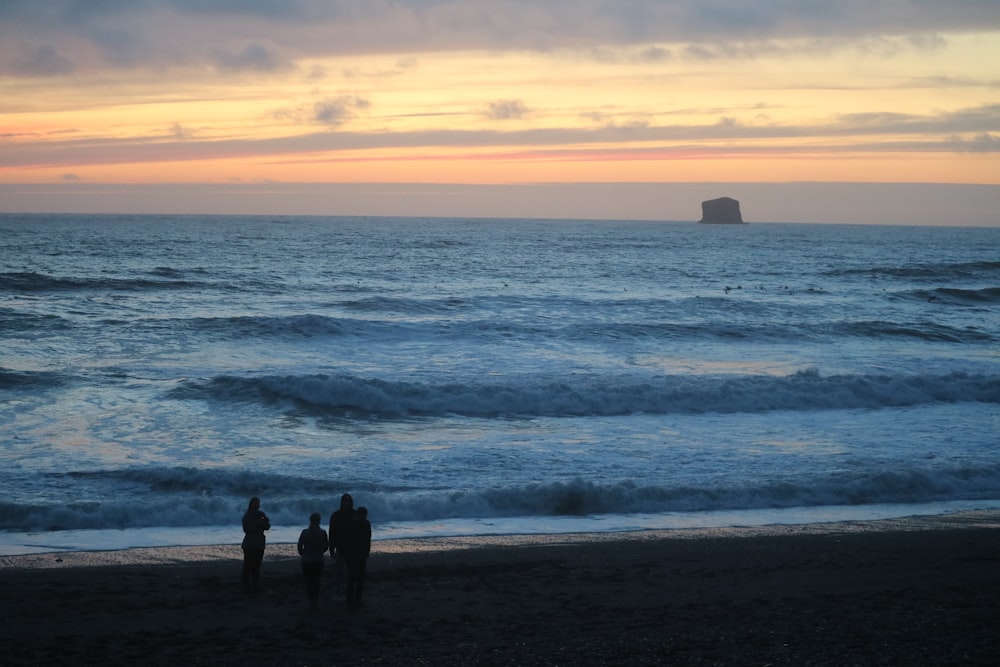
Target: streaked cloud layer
499 91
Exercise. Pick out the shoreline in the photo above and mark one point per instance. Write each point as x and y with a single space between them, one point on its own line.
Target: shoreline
208 553
924 590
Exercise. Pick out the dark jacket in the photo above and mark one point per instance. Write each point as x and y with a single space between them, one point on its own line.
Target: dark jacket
254 525
312 544
359 539
340 524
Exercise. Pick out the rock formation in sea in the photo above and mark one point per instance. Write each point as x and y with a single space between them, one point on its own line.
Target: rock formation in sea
721 211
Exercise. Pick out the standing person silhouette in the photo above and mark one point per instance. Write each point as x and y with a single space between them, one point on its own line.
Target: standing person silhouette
359 545
340 522
255 522
313 543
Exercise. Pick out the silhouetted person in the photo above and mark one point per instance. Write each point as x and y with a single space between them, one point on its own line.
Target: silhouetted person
255 522
313 543
359 545
340 522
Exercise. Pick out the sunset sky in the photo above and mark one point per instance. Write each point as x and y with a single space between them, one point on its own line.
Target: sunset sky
847 111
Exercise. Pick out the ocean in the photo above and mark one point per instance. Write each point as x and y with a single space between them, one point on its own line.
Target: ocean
486 376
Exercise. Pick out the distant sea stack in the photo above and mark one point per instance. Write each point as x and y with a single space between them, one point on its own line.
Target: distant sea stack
721 211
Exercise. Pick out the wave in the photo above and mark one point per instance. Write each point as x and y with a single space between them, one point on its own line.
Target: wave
176 274
924 331
927 270
792 332
955 296
185 497
13 321
352 396
583 497
202 482
406 305
439 319
13 380
144 497
312 325
39 282
293 326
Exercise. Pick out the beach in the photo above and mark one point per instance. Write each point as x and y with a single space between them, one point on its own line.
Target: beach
921 590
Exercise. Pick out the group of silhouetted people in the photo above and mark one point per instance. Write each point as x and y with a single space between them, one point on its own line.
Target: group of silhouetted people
349 543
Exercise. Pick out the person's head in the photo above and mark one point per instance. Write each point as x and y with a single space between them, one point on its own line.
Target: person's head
346 502
314 519
363 512
254 504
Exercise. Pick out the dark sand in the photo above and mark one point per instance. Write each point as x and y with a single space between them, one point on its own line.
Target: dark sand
903 592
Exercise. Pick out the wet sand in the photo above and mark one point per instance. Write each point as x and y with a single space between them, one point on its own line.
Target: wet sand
911 591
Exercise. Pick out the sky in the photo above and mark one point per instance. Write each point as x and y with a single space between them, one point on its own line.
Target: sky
805 110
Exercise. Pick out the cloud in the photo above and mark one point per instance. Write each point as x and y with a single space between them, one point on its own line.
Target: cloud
615 120
178 131
654 54
506 110
43 38
980 119
42 61
983 143
927 42
337 111
858 133
331 111
872 46
252 58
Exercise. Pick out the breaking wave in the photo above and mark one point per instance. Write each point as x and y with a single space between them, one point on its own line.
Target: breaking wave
40 282
347 395
184 497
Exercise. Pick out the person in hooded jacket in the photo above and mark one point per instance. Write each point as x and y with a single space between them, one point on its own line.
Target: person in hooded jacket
340 523
359 546
313 543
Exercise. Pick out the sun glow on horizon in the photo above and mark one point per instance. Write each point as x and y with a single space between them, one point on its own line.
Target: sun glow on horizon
905 105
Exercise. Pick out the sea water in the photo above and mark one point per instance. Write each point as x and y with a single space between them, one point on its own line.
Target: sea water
483 376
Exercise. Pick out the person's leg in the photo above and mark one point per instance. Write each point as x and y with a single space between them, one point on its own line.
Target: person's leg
359 581
255 557
339 565
312 574
319 581
351 582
